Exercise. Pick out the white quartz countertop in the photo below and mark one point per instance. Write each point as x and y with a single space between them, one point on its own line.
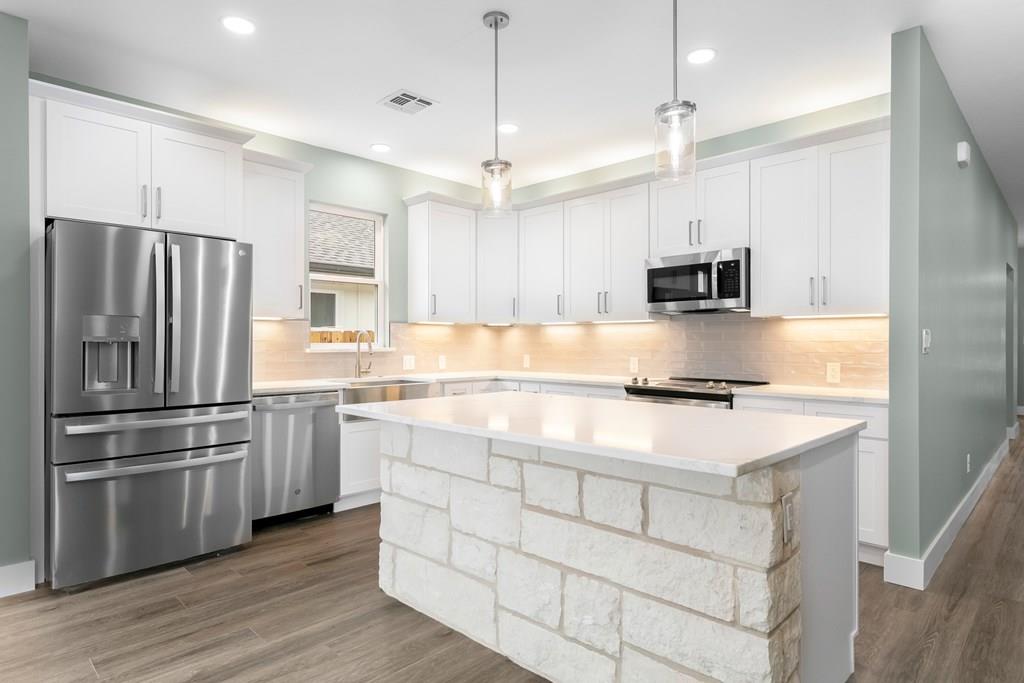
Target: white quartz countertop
723 442
846 394
333 384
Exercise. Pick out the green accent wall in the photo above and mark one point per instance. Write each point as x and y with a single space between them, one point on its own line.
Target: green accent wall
779 131
14 290
952 237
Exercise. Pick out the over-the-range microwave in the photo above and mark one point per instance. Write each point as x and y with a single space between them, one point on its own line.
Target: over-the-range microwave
706 282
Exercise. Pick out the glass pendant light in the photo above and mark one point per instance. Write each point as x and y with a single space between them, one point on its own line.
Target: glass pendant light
675 125
496 172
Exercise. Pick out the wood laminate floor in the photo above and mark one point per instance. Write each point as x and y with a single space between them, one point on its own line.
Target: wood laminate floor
301 604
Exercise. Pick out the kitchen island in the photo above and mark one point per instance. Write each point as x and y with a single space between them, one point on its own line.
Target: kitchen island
595 540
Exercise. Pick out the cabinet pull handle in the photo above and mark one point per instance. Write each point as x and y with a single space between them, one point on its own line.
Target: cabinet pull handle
300 298
824 290
159 203
433 304
699 222
606 301
690 230
145 200
558 304
599 303
513 307
810 290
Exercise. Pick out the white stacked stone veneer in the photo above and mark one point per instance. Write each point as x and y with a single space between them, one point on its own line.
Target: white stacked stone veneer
582 568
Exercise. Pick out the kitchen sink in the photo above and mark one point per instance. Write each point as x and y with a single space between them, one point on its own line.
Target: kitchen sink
377 390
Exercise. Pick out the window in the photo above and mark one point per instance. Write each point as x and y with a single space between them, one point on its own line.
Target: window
347 276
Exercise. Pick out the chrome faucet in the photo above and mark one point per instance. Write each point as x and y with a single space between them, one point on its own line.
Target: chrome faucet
360 370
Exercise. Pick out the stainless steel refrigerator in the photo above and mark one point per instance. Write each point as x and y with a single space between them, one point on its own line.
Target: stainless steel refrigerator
148 396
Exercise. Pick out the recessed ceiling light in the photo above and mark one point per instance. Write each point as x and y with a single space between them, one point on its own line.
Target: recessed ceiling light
380 147
508 128
701 55
239 25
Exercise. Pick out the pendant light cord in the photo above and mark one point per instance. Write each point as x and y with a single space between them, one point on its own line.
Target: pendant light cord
496 21
675 53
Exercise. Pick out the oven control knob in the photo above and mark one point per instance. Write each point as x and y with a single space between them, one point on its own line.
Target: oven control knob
709 385
636 380
644 381
723 386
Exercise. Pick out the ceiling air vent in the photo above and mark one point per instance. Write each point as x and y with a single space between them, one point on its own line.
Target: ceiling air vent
406 101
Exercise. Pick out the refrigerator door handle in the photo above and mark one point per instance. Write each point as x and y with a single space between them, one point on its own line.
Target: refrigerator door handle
163 423
131 470
175 318
160 271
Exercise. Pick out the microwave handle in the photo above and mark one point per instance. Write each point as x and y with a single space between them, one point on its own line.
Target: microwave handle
714 280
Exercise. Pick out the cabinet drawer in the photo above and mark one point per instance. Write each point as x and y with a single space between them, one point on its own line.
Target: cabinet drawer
493 386
458 388
769 405
876 416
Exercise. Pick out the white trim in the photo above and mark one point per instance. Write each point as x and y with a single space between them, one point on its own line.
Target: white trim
917 573
871 554
37 331
275 161
17 578
1020 410
444 199
1013 432
50 91
357 500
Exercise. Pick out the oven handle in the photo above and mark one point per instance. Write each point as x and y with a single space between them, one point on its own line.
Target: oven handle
646 398
132 470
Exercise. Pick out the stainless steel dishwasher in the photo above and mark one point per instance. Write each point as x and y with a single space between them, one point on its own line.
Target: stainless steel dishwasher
295 453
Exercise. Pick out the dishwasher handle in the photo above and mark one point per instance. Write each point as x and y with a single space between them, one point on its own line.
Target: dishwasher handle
299 405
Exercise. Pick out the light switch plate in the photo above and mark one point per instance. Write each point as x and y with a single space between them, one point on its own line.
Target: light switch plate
408 362
634 364
832 373
442 362
526 360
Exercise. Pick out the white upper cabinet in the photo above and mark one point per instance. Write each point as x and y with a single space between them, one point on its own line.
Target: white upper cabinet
854 222
442 263
105 167
497 268
628 213
784 234
97 166
673 206
196 183
541 250
275 224
723 207
586 244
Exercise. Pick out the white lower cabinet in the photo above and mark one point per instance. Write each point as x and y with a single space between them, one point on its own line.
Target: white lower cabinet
457 388
492 386
872 460
561 389
360 457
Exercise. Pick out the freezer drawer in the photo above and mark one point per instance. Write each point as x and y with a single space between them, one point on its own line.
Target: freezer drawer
118 516
98 437
296 453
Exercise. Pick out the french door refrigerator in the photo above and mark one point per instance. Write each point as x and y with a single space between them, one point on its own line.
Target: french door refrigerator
148 396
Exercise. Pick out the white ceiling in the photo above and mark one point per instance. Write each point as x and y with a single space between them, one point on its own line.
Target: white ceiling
580 77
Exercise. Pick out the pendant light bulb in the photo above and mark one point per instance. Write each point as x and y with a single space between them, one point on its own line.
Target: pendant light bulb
675 125
496 173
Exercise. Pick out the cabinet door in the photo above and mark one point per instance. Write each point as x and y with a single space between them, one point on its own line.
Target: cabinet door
854 220
785 406
784 234
97 166
585 257
723 207
458 388
541 252
452 263
673 217
275 224
625 296
197 184
360 457
563 389
873 492
497 268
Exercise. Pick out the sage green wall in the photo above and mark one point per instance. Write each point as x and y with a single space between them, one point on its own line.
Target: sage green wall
343 179
14 295
1020 327
952 236
779 131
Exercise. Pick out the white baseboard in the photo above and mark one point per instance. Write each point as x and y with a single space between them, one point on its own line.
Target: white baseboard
917 573
17 578
871 554
357 500
1013 432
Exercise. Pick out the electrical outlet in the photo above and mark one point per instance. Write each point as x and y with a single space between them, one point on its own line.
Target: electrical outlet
968 463
408 362
526 360
442 361
634 364
832 373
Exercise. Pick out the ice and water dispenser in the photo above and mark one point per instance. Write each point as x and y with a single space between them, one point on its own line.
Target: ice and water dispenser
110 353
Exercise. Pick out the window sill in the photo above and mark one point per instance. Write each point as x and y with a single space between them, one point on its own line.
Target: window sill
344 348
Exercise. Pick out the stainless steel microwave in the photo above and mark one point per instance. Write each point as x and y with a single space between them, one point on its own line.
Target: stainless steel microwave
706 282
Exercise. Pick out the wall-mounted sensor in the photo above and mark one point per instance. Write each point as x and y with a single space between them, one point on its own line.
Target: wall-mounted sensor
963 154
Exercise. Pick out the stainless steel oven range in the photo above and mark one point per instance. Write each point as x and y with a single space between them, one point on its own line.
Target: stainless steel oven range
688 391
